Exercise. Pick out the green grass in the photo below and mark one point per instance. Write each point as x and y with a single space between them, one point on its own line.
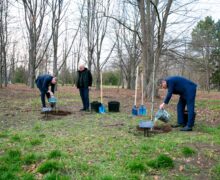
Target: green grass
28 176
30 159
187 151
54 154
210 104
136 165
162 161
216 172
3 134
55 176
92 147
49 166
35 142
14 155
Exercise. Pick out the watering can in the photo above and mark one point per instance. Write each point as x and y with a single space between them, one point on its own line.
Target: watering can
162 115
52 100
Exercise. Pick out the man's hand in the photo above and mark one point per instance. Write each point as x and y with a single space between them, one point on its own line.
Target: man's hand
51 93
162 106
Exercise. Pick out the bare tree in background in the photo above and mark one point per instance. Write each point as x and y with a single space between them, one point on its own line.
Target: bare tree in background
90 31
128 51
34 17
68 48
3 41
12 64
77 55
152 25
99 34
56 9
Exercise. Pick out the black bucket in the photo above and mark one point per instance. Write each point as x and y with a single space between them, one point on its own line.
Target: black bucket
113 106
95 106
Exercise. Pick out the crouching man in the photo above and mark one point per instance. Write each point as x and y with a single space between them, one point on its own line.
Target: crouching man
43 82
186 89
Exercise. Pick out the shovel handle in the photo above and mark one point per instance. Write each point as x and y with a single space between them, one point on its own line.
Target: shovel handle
101 87
136 86
142 89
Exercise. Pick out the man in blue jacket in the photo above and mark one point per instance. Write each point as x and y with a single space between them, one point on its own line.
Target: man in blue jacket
186 89
84 81
43 82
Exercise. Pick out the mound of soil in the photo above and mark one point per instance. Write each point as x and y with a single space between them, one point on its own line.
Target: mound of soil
58 113
163 128
158 129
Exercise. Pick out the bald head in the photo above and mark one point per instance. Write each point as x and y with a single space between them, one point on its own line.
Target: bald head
81 67
54 80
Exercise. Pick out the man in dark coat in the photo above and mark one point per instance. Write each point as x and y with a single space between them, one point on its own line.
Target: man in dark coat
43 82
186 89
84 81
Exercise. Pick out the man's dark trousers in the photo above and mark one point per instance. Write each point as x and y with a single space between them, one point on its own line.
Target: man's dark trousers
84 93
189 101
42 95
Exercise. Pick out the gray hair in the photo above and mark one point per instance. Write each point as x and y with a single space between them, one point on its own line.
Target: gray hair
159 81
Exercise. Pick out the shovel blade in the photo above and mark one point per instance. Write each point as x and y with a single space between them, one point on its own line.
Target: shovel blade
102 109
134 111
142 111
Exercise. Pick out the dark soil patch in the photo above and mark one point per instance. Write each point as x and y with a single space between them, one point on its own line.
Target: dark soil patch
114 125
162 128
158 129
58 113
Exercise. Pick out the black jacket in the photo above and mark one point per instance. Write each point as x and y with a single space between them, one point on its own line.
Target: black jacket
84 79
43 82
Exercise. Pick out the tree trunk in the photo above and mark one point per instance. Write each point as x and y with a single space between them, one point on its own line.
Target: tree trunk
5 67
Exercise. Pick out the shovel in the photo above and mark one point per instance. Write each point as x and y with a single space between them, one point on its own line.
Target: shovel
102 109
142 109
135 109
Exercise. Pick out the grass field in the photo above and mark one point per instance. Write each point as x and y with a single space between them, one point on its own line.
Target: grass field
103 146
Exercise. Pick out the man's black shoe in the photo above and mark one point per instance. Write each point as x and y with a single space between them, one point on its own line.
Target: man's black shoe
177 125
82 109
186 128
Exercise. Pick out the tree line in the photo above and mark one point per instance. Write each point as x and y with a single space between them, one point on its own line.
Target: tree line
108 36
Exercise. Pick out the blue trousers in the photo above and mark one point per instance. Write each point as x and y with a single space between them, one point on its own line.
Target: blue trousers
84 94
190 103
42 95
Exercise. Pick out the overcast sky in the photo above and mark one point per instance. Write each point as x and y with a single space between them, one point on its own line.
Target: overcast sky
209 8
200 9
